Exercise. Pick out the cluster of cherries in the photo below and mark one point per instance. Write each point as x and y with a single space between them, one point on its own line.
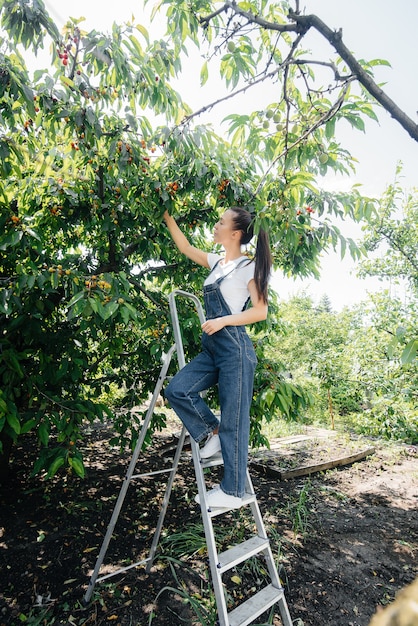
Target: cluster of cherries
308 209
64 51
64 55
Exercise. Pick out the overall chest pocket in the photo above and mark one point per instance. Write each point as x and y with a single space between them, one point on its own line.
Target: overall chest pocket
214 305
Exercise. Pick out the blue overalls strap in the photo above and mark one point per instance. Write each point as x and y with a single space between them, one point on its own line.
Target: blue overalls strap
221 278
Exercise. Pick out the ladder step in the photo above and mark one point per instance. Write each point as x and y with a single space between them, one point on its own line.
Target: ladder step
155 473
247 612
241 552
213 461
247 499
121 570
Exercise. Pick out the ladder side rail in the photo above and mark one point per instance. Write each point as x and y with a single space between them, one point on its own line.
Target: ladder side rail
216 573
221 605
190 296
166 500
128 477
271 565
261 531
175 320
181 362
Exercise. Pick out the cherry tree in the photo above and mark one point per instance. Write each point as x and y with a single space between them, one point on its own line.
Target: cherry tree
96 146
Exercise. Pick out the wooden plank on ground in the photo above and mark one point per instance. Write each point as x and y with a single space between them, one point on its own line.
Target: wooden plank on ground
306 470
279 442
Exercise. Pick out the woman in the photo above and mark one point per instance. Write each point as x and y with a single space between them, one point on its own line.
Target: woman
227 358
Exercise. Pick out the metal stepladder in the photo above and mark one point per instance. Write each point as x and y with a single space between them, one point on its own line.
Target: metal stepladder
220 563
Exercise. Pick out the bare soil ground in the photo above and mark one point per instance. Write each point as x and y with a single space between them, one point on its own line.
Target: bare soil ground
346 538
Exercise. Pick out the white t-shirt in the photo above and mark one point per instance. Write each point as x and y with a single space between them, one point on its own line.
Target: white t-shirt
234 287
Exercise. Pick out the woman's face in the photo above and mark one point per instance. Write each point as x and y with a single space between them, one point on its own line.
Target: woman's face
224 230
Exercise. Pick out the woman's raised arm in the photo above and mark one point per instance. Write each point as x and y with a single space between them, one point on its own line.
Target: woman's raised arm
183 244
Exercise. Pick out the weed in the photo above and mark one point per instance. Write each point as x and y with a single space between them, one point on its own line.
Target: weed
35 619
334 493
299 511
201 603
187 542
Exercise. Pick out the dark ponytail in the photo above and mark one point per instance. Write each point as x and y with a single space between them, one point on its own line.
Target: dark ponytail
243 220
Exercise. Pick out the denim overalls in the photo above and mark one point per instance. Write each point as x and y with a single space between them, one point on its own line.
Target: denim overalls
227 359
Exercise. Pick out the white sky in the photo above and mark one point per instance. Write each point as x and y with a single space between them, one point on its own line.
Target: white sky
371 29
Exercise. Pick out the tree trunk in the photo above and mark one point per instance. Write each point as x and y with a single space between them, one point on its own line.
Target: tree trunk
7 444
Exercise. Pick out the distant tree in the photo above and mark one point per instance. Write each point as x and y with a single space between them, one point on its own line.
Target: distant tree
389 381
314 348
324 304
350 363
392 238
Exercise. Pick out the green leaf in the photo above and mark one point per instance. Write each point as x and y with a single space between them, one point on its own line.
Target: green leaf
67 82
375 62
77 464
13 422
94 303
27 426
43 433
11 240
125 314
143 31
330 128
3 405
33 233
136 45
410 352
204 74
132 310
55 465
108 310
269 396
14 364
283 403
78 296
343 246
54 279
356 121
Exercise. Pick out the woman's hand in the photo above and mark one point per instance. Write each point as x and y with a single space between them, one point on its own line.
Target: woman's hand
210 327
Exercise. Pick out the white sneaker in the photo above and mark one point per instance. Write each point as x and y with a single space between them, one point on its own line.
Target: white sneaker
218 499
197 498
211 447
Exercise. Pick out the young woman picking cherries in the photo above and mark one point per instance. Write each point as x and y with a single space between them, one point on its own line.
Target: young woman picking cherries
227 358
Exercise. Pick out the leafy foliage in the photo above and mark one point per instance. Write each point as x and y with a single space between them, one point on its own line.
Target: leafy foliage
352 363
391 238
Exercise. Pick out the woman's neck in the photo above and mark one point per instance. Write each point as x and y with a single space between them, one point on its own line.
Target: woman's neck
232 254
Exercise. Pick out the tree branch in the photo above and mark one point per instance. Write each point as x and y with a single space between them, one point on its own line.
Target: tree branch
233 94
251 17
335 39
150 270
323 119
301 25
398 246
